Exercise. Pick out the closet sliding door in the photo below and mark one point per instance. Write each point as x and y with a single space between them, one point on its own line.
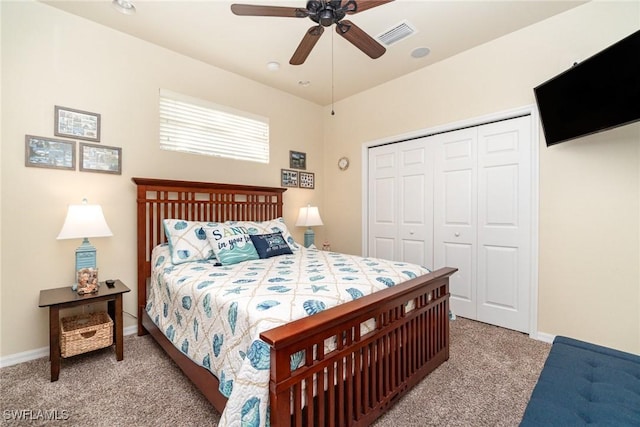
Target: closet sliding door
455 216
482 220
401 202
461 199
504 223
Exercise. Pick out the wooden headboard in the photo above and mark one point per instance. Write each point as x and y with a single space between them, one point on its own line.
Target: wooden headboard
160 199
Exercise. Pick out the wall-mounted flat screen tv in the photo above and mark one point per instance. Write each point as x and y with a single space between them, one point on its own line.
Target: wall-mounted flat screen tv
599 93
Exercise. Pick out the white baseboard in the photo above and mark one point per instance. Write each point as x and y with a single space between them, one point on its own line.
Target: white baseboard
543 336
14 359
25 356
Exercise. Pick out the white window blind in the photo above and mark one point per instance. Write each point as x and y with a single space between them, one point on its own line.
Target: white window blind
197 126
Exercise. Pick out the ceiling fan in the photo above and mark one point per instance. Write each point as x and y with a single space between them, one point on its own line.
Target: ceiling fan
324 13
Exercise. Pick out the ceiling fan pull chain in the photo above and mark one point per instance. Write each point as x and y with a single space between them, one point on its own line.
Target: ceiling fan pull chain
333 113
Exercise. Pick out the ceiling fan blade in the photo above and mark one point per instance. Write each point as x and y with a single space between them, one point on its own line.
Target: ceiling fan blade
251 10
360 39
363 5
308 42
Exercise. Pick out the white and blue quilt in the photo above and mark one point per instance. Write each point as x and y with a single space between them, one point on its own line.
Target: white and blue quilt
215 314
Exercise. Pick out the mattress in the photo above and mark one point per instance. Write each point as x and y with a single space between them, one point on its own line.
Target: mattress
214 314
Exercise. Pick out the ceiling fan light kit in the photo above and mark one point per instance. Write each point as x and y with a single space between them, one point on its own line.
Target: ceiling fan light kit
124 6
325 13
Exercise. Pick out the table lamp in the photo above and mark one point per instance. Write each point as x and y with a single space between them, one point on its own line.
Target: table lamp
309 217
84 221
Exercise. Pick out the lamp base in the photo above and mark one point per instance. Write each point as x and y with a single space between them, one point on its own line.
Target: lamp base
309 237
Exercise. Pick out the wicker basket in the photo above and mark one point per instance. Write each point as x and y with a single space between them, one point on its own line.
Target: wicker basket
86 332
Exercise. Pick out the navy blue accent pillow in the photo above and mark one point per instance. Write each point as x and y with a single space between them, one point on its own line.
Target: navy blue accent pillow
269 245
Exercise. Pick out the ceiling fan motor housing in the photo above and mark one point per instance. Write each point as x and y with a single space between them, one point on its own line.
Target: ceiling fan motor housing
327 13
324 13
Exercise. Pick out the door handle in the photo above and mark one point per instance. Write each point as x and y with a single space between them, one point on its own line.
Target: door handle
456 234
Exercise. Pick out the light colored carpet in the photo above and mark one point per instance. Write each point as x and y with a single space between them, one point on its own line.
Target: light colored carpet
486 382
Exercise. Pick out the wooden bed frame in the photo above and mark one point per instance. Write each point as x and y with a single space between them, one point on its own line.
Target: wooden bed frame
364 375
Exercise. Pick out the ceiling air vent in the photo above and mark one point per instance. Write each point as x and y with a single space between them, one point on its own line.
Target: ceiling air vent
399 32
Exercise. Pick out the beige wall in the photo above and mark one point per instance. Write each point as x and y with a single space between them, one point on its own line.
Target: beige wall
589 189
589 279
52 58
1 239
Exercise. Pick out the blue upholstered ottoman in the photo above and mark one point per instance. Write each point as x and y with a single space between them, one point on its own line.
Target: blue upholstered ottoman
583 383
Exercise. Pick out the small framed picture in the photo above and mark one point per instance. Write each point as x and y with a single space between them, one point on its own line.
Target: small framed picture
87 281
289 178
77 124
41 152
297 160
100 158
307 180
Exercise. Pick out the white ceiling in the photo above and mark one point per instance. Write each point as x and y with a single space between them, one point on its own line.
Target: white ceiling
209 32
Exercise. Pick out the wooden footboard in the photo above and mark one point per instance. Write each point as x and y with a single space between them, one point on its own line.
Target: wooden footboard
356 382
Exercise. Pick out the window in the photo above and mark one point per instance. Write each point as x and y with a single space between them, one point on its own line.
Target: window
196 126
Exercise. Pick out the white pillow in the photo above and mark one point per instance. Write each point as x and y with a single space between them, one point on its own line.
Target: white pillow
188 240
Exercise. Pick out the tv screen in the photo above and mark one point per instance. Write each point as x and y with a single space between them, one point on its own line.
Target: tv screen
600 93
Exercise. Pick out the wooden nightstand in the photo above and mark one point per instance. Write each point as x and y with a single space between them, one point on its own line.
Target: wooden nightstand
60 298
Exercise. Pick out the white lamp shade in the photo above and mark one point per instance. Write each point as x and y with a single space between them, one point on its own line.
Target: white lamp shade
309 217
84 221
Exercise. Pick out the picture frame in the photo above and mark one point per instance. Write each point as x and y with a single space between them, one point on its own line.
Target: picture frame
76 124
297 160
288 178
43 152
87 281
100 158
307 180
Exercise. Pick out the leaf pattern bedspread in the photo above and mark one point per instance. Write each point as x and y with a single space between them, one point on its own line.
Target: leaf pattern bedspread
215 314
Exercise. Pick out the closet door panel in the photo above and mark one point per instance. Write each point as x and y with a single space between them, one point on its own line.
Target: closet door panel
504 206
461 284
383 247
455 206
499 204
501 272
383 196
416 202
414 252
412 229
458 209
